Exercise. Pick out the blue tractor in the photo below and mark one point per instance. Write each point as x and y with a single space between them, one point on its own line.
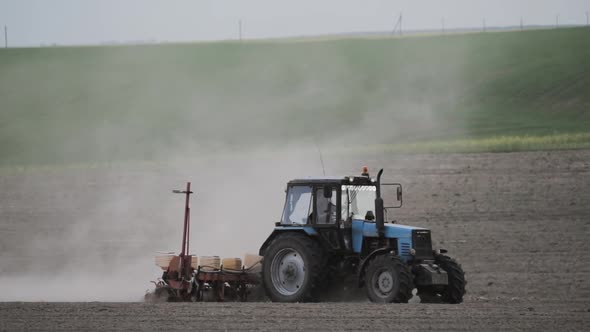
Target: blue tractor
333 228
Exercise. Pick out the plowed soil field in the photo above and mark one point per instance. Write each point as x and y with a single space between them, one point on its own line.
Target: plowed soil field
518 222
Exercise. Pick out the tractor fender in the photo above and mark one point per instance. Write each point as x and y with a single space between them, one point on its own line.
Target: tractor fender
281 230
363 264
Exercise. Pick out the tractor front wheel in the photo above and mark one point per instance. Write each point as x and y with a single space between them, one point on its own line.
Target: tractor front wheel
292 268
451 293
388 280
456 289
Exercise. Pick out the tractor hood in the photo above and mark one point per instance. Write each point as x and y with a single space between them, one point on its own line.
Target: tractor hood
362 228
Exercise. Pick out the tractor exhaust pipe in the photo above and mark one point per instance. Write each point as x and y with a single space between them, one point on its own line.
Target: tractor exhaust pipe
379 208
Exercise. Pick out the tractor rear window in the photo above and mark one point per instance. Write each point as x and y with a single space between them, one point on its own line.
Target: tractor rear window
297 205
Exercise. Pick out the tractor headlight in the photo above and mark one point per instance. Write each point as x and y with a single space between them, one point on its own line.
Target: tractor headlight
413 252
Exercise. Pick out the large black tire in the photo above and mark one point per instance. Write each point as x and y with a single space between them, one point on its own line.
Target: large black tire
292 268
454 292
456 289
388 279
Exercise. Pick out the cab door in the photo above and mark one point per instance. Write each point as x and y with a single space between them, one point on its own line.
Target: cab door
326 215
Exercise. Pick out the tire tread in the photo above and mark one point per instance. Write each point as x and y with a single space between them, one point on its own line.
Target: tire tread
456 289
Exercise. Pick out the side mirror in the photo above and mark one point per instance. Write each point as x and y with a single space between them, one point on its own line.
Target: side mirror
396 195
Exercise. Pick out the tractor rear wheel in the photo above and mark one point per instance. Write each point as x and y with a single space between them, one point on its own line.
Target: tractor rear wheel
388 280
292 268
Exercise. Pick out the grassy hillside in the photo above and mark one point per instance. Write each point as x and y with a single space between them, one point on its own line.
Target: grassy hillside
86 104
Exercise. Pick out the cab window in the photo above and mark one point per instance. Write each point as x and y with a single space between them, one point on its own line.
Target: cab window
297 206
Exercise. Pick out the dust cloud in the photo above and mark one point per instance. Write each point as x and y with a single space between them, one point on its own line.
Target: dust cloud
136 126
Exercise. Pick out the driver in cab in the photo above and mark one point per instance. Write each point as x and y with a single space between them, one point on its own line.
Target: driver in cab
326 207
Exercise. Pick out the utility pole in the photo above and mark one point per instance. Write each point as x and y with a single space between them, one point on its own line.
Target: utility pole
521 26
240 29
398 23
587 18
5 36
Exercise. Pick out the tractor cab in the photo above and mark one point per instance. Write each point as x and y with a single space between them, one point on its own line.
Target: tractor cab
329 207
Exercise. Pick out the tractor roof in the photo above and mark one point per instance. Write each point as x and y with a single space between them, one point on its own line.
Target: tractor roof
337 180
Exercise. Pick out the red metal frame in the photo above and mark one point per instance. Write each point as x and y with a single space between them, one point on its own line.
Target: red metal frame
186 228
182 270
224 276
237 281
179 275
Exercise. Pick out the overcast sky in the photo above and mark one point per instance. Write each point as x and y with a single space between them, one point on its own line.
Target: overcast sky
35 22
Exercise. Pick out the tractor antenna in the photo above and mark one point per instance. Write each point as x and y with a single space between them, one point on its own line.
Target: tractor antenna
321 158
